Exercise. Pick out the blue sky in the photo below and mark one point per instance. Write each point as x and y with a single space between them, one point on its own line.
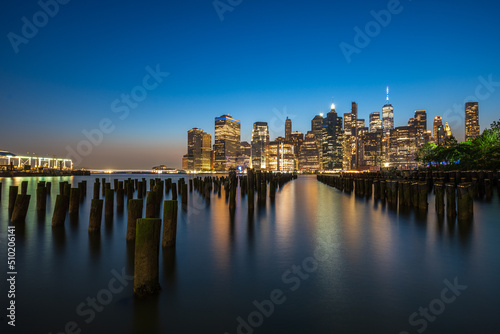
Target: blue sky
265 60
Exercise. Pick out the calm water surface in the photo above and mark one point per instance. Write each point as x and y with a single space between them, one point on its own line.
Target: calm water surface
335 263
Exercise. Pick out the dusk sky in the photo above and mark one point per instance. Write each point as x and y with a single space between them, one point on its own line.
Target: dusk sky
259 61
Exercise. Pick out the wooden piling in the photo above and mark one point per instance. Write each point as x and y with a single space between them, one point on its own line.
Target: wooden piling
169 223
146 263
174 191
41 199
120 194
60 209
151 203
74 201
95 215
134 212
12 197
465 194
96 190
20 208
24 187
109 199
439 189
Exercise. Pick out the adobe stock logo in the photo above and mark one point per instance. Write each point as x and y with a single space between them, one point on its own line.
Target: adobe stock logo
30 28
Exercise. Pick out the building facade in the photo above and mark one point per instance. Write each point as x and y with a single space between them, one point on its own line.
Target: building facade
471 120
227 143
260 143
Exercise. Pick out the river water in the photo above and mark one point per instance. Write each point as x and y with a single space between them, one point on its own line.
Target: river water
314 261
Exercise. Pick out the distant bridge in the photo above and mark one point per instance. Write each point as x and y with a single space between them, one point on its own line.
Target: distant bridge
11 160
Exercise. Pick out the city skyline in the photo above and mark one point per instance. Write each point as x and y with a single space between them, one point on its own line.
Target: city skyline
334 142
267 72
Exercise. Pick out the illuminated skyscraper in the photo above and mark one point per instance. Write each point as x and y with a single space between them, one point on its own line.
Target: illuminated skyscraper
297 140
375 122
471 120
309 153
288 129
227 142
260 143
199 150
420 121
317 129
403 147
438 121
387 116
281 156
332 138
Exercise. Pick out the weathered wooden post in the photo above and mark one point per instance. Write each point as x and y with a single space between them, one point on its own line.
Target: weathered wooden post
60 209
139 189
174 191
376 189
41 199
439 189
95 215
12 197
134 212
465 198
383 185
109 199
146 263
96 190
120 200
20 208
48 185
151 203
24 187
451 207
184 195
169 223
423 190
130 191
74 201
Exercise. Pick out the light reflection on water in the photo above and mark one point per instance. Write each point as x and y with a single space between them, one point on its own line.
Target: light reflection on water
381 266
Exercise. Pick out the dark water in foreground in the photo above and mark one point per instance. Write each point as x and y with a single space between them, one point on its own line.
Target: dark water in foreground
363 269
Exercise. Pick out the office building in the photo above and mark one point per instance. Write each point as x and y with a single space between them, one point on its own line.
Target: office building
260 142
227 142
471 120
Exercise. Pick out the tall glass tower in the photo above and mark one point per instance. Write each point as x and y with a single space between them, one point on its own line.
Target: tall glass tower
227 142
387 116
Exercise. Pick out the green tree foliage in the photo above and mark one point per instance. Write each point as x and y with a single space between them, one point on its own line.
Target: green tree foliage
482 152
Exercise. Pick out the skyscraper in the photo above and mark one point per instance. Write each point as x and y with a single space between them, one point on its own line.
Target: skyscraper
375 121
260 143
288 129
438 121
309 153
281 156
227 142
317 129
387 116
332 141
199 150
420 121
471 120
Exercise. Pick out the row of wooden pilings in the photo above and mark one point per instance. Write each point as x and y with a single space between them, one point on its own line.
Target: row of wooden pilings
143 232
455 191
253 182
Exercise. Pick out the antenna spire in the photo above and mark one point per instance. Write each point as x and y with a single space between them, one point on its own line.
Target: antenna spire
387 94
